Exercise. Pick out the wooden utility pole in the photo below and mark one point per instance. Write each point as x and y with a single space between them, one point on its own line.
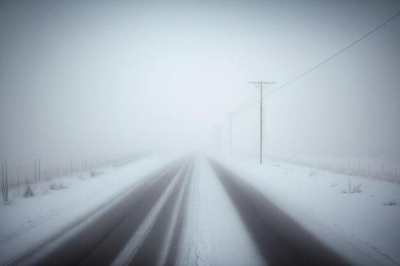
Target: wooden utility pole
259 85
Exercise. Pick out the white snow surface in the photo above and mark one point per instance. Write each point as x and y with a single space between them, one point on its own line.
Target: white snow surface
364 226
28 221
216 234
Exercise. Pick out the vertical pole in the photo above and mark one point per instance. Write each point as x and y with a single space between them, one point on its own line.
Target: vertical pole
18 179
261 111
71 166
35 170
369 167
6 186
2 181
39 170
230 133
261 118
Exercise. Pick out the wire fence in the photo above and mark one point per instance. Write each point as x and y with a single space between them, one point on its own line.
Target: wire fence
354 166
16 174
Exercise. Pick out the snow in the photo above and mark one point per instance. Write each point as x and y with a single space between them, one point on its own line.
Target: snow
362 226
28 221
218 236
196 248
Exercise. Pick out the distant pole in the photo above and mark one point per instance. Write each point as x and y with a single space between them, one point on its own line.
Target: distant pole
35 170
261 119
369 167
18 178
230 133
261 83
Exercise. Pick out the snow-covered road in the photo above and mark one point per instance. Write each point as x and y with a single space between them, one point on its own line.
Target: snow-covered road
192 210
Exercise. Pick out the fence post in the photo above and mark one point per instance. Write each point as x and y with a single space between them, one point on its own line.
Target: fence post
48 173
6 183
2 181
18 179
34 163
369 167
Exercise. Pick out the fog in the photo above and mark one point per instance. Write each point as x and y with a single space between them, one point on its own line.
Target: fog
80 78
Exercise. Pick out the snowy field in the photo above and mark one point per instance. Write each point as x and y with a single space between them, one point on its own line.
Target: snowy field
28 221
357 216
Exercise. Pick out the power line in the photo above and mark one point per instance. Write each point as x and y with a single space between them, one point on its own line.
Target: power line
244 107
323 62
245 103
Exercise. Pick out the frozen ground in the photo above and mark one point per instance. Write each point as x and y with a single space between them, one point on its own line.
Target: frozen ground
27 221
355 216
362 225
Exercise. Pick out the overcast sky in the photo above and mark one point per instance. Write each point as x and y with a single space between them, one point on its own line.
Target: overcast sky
95 77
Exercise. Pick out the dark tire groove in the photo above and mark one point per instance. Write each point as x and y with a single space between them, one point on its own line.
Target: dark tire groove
79 247
151 248
280 240
179 228
105 252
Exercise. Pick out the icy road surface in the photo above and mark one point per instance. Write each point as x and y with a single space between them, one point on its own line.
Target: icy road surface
193 211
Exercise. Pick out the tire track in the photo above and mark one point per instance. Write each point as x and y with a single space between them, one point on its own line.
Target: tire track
280 240
152 249
111 246
79 243
146 227
178 236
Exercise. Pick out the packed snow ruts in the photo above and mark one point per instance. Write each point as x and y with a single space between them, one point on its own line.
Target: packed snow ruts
151 223
71 248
